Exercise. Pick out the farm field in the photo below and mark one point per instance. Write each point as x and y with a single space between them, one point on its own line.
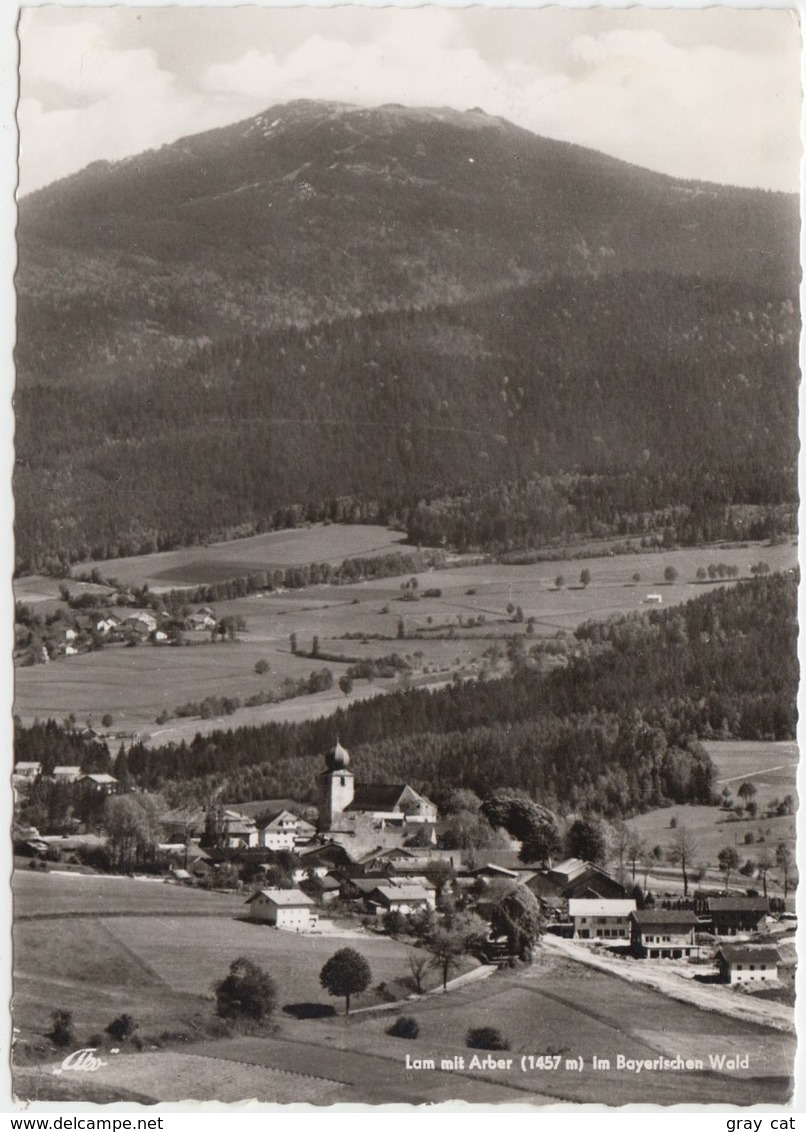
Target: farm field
136 685
772 767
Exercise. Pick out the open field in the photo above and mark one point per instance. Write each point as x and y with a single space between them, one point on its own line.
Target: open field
557 1007
136 685
197 565
95 945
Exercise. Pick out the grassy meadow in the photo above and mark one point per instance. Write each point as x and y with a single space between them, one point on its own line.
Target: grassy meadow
158 964
353 622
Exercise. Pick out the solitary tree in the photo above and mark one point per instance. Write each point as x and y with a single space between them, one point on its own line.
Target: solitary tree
247 992
346 973
670 574
447 942
764 864
783 859
747 793
559 581
682 852
728 861
585 578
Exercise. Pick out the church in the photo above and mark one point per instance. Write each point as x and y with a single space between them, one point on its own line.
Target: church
346 806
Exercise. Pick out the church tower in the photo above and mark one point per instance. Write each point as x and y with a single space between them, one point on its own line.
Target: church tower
336 786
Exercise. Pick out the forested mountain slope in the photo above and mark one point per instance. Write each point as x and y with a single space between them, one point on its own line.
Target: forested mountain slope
385 304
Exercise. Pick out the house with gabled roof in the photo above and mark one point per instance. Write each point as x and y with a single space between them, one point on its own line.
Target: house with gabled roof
66 774
663 933
403 898
601 919
746 963
283 908
733 914
27 770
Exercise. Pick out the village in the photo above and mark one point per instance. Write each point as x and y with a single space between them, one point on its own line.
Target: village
372 857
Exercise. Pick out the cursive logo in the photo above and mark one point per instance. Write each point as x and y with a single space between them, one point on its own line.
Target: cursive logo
81 1061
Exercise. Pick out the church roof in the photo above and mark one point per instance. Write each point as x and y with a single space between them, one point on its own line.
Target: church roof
377 796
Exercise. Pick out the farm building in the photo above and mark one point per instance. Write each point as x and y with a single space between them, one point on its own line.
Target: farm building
732 914
738 963
577 880
601 919
283 908
343 802
662 934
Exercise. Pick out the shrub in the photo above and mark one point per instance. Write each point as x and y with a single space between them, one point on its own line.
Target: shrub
486 1037
121 1027
62 1033
404 1027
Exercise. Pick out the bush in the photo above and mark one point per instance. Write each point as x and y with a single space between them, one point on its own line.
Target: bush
121 1028
486 1037
62 1033
404 1027
247 992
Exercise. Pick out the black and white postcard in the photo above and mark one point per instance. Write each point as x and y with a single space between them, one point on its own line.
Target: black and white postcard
405 556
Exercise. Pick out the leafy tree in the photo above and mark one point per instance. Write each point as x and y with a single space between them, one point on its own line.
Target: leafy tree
531 824
559 581
107 720
246 992
585 578
346 973
62 1033
670 574
586 840
682 852
517 915
345 683
292 640
747 792
728 861
262 666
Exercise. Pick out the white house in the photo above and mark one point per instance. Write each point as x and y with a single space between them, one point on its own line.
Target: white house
601 919
66 773
28 770
739 963
283 908
278 830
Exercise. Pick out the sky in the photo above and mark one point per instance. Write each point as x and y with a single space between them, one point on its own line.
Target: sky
711 94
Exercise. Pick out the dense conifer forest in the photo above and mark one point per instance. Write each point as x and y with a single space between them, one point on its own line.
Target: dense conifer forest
210 343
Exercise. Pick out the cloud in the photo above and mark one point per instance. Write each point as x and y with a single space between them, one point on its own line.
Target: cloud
95 82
